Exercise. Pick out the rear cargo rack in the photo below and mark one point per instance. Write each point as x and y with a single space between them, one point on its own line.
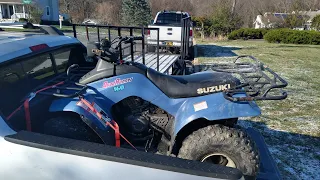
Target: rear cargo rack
258 82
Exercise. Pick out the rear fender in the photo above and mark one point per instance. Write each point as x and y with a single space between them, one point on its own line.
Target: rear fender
212 107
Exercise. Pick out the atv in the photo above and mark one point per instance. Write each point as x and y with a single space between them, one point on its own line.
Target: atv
127 105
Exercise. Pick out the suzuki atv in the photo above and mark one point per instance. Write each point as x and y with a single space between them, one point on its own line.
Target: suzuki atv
128 105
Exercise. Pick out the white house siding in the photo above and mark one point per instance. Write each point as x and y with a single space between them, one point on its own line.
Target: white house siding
18 9
53 7
0 11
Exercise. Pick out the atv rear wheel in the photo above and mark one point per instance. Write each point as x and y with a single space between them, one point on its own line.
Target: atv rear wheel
70 127
222 145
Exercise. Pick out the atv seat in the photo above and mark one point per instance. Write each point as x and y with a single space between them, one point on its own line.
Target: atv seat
194 85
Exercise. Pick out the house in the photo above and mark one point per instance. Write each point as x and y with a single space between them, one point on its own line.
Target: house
12 10
311 15
270 20
274 20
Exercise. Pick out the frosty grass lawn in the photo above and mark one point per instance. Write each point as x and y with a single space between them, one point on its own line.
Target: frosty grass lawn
290 127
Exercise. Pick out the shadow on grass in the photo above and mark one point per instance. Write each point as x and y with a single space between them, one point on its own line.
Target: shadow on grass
216 51
297 156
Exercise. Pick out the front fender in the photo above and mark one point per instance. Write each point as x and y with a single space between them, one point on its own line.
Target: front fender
212 107
71 105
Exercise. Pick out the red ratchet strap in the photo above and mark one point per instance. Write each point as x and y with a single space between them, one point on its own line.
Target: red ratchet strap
115 127
116 133
27 114
26 106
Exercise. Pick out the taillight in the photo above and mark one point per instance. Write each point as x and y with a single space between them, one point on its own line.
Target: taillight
38 47
148 32
190 32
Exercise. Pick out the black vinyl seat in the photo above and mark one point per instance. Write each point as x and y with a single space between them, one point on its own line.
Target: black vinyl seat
192 85
105 69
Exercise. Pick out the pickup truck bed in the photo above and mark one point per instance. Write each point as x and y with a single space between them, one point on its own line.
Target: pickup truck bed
110 154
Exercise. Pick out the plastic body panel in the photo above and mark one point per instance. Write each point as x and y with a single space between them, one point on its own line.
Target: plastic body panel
185 110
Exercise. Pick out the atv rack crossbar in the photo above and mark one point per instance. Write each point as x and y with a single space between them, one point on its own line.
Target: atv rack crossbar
258 81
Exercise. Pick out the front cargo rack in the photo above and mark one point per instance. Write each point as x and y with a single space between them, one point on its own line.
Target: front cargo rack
258 81
65 85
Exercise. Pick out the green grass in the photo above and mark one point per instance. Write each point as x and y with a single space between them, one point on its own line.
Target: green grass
291 127
19 30
64 28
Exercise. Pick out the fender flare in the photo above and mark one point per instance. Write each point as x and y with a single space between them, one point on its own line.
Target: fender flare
213 109
71 105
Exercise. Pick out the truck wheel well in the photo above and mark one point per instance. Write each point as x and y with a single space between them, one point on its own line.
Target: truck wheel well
194 126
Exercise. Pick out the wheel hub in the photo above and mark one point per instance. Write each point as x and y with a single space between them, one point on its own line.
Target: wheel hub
220 159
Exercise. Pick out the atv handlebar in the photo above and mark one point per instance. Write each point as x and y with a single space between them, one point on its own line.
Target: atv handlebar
128 39
108 53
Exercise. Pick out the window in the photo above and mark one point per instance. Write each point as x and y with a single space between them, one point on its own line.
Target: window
18 8
48 10
61 59
13 87
170 18
19 78
39 69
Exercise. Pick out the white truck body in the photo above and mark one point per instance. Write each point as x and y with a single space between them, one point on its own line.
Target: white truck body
169 24
29 163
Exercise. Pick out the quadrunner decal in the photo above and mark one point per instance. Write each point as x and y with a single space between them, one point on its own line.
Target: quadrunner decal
117 82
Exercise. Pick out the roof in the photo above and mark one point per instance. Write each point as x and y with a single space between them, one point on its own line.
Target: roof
270 18
13 45
311 14
10 1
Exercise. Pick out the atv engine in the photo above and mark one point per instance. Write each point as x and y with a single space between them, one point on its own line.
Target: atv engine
143 123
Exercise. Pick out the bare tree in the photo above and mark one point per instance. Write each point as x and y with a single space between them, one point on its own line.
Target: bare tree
108 12
176 5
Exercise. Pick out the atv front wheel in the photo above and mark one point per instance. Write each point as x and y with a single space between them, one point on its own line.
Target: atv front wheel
70 127
222 145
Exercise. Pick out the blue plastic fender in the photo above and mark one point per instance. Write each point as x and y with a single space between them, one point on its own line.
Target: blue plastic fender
107 92
211 107
71 105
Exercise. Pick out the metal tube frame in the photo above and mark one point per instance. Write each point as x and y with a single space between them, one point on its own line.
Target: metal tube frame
119 28
131 46
256 84
185 36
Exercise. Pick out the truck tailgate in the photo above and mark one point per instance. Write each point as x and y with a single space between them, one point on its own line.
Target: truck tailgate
167 33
